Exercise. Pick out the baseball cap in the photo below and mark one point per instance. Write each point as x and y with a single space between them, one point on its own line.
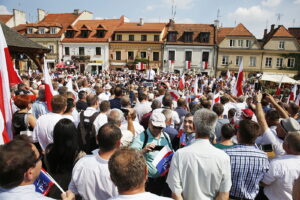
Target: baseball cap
247 112
290 124
158 119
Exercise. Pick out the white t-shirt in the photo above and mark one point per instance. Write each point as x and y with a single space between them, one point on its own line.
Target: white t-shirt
150 74
140 196
100 120
91 179
138 128
127 138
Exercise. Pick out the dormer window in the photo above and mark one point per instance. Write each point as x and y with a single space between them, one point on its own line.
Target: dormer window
52 30
188 37
119 37
30 30
172 36
42 30
84 33
70 33
204 37
100 33
281 45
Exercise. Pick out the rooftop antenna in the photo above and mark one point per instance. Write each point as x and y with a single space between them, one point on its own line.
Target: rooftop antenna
294 22
173 10
234 22
267 24
218 14
279 15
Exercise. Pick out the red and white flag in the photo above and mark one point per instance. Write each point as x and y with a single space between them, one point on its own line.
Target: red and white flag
196 86
278 91
174 94
171 65
293 93
228 74
140 66
48 86
8 76
188 64
205 64
237 89
216 98
181 82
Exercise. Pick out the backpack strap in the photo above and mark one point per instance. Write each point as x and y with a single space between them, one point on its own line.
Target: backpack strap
81 128
146 139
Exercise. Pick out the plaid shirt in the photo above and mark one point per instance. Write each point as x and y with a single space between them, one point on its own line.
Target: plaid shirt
248 166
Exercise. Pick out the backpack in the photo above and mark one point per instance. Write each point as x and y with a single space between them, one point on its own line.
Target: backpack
87 133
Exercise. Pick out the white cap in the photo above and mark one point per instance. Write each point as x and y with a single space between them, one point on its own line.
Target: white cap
158 119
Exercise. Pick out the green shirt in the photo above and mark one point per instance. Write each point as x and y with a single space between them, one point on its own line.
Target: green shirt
138 144
222 146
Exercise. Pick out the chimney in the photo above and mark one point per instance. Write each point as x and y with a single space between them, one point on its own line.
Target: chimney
41 14
19 17
141 22
265 32
171 23
76 12
272 27
217 23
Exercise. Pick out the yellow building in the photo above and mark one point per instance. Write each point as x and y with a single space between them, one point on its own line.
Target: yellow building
137 42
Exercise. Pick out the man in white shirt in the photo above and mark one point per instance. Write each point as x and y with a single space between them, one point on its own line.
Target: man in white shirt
90 176
101 119
43 131
284 171
212 179
150 74
143 106
128 170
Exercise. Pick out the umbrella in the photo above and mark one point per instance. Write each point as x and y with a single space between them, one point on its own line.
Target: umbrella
60 65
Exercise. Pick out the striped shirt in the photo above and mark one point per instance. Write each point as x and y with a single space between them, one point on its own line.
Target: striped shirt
248 167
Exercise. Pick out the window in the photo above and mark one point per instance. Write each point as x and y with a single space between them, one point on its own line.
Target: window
143 54
240 43
81 51
188 37
30 30
118 55
51 47
171 37
52 30
204 37
119 37
171 55
248 43
98 51
252 61
131 37
279 62
41 30
156 37
69 33
291 62
143 37
84 33
67 51
130 55
156 56
268 62
231 43
281 45
225 60
188 55
238 60
100 33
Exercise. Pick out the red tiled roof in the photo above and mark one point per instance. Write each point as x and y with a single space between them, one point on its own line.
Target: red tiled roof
282 32
296 33
5 18
222 33
196 29
240 30
108 24
146 27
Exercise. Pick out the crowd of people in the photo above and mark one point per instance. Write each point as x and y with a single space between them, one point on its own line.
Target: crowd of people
103 132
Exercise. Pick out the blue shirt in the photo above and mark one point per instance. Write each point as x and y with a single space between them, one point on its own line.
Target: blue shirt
26 192
248 167
115 103
138 144
172 132
39 108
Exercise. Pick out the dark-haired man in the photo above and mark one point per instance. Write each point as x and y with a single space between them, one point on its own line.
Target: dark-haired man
116 102
90 176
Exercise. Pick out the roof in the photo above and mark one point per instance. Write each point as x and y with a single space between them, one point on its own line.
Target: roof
17 41
5 18
239 30
295 32
62 20
279 32
222 33
196 29
108 25
136 27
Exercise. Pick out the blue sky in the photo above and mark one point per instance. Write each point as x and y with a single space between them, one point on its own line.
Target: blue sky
254 14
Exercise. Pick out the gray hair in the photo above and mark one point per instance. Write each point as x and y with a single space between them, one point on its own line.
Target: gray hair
115 116
167 113
205 122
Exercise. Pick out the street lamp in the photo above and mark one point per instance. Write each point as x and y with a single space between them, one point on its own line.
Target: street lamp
149 51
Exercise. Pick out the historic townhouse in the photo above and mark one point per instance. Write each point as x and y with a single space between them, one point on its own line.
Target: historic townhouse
278 46
189 47
87 43
137 43
235 45
50 29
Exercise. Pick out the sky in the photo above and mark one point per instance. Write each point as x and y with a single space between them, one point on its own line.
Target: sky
256 15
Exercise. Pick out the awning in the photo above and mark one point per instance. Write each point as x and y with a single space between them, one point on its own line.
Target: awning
278 78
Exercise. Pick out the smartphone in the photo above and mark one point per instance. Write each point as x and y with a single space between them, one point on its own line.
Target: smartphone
158 148
267 147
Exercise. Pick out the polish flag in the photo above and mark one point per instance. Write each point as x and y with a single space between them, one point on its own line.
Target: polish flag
48 86
228 74
293 93
278 91
171 65
188 64
140 66
196 86
181 82
8 76
237 89
174 94
297 101
216 98
205 64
